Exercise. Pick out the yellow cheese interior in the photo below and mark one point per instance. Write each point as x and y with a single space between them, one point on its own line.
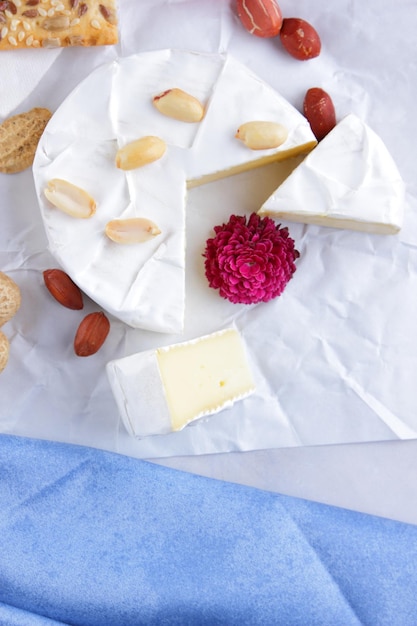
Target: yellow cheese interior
283 155
201 377
333 222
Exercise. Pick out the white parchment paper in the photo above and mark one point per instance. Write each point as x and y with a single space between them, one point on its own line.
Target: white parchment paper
334 357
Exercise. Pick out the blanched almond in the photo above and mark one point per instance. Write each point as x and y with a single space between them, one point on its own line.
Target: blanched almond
259 135
140 152
69 198
132 230
179 105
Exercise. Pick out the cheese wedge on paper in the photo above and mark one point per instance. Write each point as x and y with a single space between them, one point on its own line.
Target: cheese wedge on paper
161 391
348 181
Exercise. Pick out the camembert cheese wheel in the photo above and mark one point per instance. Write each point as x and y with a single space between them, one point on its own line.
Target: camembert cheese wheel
143 284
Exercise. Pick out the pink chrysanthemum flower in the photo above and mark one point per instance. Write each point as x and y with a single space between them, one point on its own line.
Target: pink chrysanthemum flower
250 261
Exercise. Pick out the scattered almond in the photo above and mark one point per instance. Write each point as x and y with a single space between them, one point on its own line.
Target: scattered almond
70 199
300 39
10 298
91 334
260 135
63 289
319 109
140 152
4 351
179 105
19 138
262 18
132 230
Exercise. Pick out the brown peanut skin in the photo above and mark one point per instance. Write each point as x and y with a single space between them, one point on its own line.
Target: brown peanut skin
63 289
262 18
319 110
300 39
91 334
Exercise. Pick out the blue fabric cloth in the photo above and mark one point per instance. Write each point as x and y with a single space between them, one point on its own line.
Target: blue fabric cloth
92 538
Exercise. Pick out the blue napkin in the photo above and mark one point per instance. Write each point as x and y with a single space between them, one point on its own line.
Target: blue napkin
92 538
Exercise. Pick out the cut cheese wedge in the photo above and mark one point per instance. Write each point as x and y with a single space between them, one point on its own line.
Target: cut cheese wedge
161 391
144 284
348 181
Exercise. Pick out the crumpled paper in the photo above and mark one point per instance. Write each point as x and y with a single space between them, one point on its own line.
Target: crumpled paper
20 73
332 355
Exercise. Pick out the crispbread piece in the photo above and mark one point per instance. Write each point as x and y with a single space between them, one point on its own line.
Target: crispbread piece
4 350
10 298
57 23
19 137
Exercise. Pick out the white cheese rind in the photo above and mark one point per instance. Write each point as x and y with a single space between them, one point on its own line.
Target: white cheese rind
239 96
144 284
137 388
161 391
348 181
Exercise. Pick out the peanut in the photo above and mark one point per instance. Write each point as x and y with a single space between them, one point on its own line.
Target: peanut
179 105
262 18
70 199
10 298
4 351
319 109
91 334
260 135
132 230
140 152
300 39
63 289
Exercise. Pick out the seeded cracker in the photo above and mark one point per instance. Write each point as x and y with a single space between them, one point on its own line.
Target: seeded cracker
57 23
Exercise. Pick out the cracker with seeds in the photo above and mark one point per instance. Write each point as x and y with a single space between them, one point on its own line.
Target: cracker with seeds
57 23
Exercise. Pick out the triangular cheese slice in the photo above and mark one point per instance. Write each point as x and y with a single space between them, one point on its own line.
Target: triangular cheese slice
348 181
180 383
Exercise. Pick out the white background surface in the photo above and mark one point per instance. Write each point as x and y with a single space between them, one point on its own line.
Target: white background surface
367 63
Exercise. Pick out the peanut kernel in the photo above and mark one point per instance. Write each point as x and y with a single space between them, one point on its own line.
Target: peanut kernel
261 135
179 105
132 230
140 152
69 198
